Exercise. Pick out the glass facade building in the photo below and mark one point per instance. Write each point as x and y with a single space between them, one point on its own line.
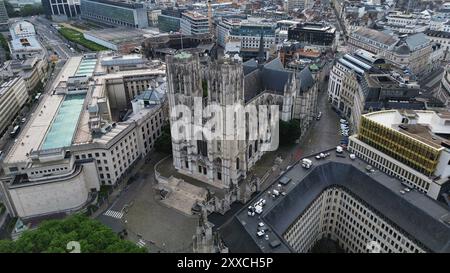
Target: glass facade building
115 13
69 8
408 150
167 23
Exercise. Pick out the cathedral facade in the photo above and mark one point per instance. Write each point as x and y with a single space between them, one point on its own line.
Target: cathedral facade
225 159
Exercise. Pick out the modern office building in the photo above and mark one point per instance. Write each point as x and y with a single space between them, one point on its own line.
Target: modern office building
194 23
443 93
79 138
121 39
32 70
3 16
316 34
116 13
244 36
337 199
361 82
61 9
170 20
13 96
23 48
24 44
412 146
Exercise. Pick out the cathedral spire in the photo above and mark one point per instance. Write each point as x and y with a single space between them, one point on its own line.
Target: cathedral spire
261 56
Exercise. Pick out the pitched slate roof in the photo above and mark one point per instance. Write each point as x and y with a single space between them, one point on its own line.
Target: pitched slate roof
272 77
415 214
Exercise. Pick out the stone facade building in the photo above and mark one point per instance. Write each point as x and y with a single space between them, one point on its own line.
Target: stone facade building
222 162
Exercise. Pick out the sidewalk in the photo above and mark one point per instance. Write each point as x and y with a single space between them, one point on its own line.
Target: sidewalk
122 184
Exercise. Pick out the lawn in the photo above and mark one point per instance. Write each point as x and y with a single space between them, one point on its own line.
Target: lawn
77 37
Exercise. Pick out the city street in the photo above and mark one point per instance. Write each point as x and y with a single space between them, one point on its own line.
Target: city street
49 37
148 221
54 43
164 229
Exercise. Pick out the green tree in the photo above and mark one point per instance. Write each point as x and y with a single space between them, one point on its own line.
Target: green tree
53 236
5 46
289 131
164 143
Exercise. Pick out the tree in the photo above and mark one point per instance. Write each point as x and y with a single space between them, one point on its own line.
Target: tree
289 131
25 11
164 143
10 10
53 236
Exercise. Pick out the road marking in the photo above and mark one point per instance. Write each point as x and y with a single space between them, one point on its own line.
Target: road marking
114 214
141 243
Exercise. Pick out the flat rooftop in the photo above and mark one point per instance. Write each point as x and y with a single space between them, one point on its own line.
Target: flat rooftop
429 126
118 35
414 213
63 126
34 131
376 35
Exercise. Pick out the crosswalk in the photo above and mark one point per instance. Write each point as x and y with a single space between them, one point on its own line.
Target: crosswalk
141 243
114 214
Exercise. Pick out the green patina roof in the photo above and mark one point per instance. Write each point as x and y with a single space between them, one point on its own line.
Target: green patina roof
183 55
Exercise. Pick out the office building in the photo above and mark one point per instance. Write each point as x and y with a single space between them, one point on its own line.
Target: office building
337 199
13 96
61 9
244 37
170 20
3 16
443 93
82 135
412 146
115 13
194 23
317 34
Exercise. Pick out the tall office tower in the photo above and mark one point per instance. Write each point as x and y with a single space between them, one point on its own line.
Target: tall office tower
3 16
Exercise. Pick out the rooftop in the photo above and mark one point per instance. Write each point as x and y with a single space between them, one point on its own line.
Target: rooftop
376 35
425 126
22 28
118 35
34 131
25 44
